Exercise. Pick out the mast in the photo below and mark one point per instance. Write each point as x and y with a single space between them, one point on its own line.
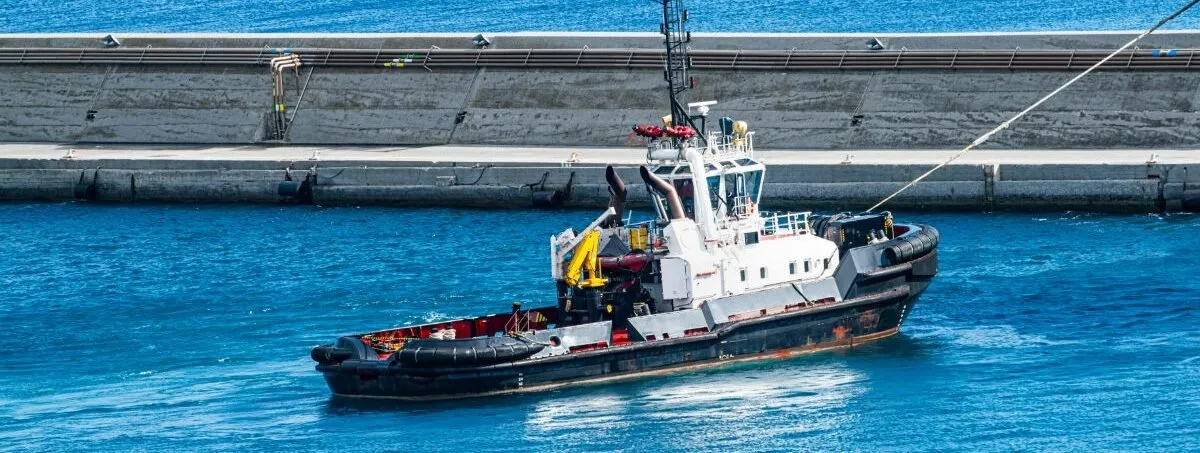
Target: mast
676 38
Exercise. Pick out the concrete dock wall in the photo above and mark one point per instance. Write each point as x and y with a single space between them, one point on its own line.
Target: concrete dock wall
1087 187
828 109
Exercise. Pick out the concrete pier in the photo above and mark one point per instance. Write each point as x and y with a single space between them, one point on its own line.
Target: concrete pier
504 177
503 133
899 106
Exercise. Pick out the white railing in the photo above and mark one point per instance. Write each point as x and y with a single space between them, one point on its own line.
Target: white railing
720 147
726 147
742 207
786 223
648 231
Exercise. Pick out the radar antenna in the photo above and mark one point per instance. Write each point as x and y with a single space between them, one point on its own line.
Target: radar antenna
676 38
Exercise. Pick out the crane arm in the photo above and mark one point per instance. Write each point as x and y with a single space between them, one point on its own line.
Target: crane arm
586 258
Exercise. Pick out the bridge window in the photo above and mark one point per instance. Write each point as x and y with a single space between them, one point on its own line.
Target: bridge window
732 190
753 184
687 195
743 272
792 268
807 267
714 193
762 273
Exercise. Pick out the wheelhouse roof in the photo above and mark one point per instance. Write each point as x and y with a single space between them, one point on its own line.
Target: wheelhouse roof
738 165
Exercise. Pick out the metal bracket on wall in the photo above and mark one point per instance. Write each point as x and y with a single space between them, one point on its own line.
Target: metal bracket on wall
428 54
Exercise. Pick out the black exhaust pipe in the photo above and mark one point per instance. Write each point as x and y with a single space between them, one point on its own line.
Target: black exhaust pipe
616 197
667 190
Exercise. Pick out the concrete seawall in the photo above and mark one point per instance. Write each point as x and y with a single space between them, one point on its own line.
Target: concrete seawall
509 177
844 109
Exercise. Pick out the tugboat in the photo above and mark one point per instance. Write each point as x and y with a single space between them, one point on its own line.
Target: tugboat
712 280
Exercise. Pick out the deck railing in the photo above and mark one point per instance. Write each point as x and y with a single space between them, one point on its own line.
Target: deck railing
786 223
720 147
649 59
725 147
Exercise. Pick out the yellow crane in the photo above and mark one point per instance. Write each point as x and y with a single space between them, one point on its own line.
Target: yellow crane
587 258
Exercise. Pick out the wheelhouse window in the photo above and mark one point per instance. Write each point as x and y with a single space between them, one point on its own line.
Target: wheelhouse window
660 204
743 272
762 273
714 192
792 268
734 186
687 195
753 184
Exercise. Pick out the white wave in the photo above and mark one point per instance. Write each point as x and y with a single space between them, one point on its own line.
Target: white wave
991 337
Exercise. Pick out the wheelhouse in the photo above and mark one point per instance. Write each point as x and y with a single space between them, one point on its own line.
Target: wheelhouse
734 186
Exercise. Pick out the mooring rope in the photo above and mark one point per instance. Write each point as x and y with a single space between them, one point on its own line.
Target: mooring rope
985 137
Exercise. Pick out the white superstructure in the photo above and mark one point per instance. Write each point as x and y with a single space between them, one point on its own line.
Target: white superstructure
724 245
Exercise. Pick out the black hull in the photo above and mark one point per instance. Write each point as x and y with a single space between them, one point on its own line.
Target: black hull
876 307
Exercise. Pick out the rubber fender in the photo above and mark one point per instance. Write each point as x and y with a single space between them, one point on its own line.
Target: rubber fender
911 246
920 242
1191 200
85 191
548 198
289 188
328 354
818 224
907 247
358 349
465 352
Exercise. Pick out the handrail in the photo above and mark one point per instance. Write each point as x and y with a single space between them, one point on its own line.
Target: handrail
592 58
720 147
787 222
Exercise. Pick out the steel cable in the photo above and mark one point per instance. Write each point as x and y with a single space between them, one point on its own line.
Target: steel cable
985 137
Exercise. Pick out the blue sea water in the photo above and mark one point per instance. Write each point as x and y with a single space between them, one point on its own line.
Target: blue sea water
184 327
390 16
